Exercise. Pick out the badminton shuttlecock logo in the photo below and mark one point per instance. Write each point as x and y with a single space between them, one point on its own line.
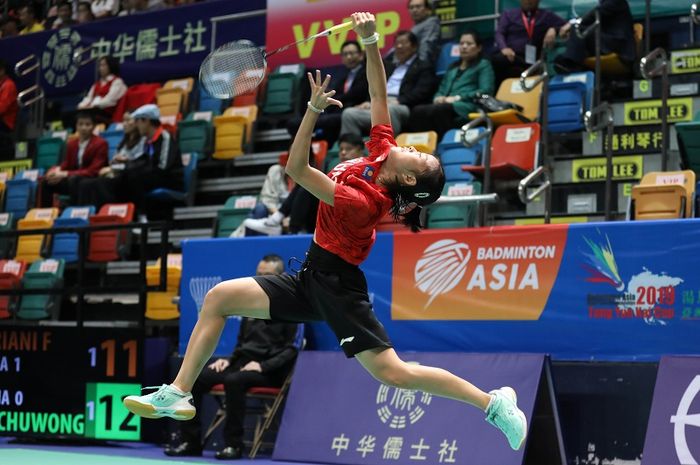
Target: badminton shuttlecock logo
398 408
199 287
441 267
682 419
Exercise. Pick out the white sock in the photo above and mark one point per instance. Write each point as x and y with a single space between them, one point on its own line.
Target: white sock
176 389
493 397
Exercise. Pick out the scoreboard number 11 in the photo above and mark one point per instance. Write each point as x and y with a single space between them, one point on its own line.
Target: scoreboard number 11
109 347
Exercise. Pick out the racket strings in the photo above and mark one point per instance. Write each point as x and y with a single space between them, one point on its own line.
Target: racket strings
233 69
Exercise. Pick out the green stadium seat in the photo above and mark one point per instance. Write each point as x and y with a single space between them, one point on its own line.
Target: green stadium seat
195 133
283 89
236 209
42 274
455 215
49 151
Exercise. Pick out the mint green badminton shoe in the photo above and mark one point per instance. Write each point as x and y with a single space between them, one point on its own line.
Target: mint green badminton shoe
504 414
167 401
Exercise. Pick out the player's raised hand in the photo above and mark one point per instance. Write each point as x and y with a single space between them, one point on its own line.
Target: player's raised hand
364 24
319 97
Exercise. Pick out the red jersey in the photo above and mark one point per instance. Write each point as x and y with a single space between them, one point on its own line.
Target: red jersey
8 102
347 229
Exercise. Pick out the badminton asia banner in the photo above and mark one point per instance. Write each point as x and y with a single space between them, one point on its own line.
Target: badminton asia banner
151 47
673 434
291 20
608 291
376 424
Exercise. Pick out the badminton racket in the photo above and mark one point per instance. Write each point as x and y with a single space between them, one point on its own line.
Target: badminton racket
236 68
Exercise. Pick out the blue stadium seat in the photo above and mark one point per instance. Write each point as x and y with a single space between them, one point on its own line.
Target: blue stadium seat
65 245
21 191
113 138
453 154
570 96
208 103
190 173
449 53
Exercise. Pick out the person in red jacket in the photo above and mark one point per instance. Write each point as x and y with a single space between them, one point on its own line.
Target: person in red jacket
8 111
85 156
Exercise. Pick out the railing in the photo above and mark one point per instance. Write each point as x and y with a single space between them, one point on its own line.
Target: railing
80 290
35 92
653 65
546 187
596 119
694 20
469 141
528 84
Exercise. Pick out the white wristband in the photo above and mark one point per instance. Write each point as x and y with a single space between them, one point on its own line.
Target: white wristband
373 39
310 106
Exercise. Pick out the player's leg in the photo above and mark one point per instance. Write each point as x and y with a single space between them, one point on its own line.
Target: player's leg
242 297
500 405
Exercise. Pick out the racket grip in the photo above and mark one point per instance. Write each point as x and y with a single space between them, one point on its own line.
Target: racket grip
337 28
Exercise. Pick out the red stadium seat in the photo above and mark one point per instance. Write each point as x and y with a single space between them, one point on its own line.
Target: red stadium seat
105 245
513 151
11 272
137 95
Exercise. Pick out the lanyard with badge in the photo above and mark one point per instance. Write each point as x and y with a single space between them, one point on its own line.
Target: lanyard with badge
530 49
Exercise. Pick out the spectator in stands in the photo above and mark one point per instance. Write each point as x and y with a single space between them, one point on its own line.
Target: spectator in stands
299 209
64 16
85 13
350 146
617 36
351 89
130 148
452 103
426 28
9 27
411 82
8 111
264 355
152 170
104 8
519 28
30 20
140 6
85 156
274 190
103 96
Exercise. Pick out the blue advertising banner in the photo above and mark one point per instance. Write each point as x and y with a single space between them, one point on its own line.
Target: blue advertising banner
673 433
607 291
337 413
151 47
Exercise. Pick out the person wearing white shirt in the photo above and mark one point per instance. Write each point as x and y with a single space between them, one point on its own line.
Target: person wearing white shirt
104 94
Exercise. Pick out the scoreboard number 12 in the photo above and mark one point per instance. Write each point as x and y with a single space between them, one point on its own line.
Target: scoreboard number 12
105 415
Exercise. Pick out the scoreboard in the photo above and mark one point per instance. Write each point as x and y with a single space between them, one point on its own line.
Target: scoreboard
69 381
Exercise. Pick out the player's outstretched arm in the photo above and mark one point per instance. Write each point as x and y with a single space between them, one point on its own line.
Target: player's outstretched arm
365 26
298 168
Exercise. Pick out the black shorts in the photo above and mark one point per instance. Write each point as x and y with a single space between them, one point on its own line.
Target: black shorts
327 289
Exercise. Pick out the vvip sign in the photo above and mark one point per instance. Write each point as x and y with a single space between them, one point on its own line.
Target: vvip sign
673 434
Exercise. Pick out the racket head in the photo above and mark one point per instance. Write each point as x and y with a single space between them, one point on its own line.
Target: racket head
233 69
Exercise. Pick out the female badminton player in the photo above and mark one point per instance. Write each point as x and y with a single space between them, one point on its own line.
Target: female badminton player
330 286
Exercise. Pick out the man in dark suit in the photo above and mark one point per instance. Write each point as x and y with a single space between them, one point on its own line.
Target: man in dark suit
410 82
617 36
351 88
85 156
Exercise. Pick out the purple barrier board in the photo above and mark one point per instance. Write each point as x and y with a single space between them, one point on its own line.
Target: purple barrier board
673 434
337 413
